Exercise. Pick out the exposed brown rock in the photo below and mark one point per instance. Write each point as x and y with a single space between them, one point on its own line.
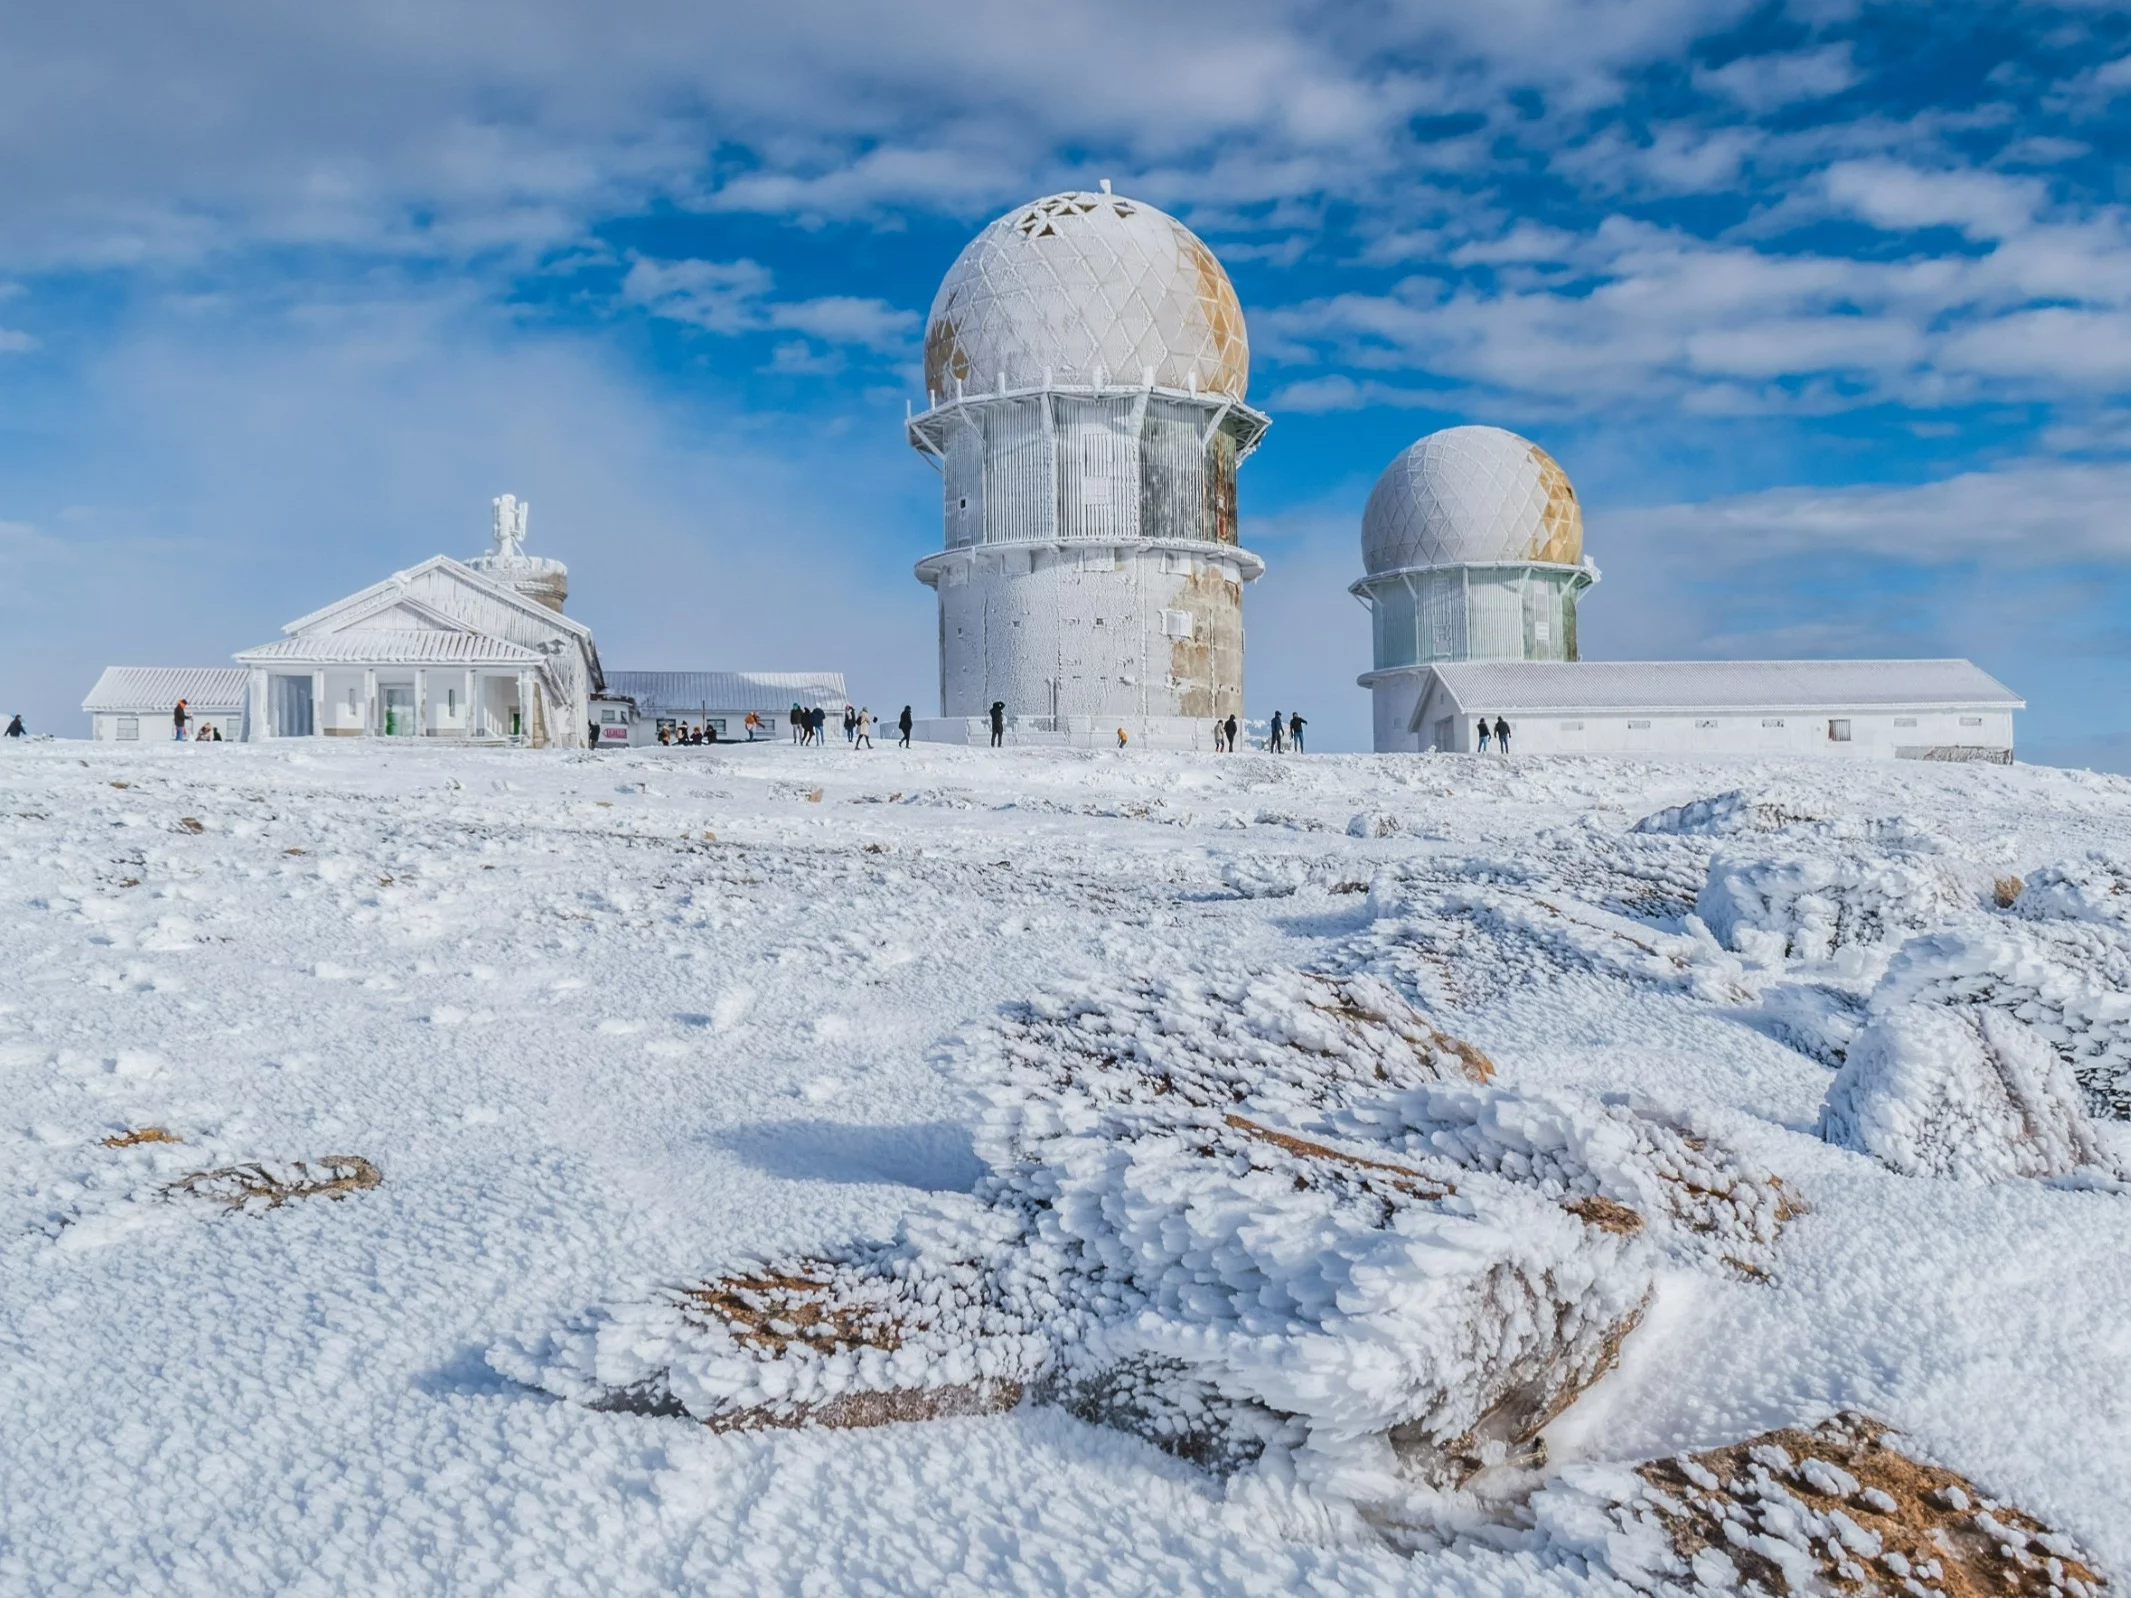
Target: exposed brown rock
1840 1509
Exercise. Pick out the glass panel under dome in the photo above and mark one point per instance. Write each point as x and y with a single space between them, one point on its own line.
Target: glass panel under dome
1495 615
1396 642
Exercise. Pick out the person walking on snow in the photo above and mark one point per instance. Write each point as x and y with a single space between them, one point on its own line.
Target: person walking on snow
902 723
751 722
1502 735
864 737
799 722
1120 737
1273 737
1219 742
178 717
15 728
1483 735
1295 724
1228 733
850 724
998 714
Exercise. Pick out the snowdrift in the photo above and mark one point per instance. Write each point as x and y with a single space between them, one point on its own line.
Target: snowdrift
1279 1221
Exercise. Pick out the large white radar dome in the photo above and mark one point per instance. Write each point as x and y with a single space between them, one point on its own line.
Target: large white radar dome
1086 287
1468 496
1471 497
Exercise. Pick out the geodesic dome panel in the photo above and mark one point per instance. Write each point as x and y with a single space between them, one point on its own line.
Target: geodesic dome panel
1471 495
1078 285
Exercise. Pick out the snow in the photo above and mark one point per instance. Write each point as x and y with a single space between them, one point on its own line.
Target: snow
609 1024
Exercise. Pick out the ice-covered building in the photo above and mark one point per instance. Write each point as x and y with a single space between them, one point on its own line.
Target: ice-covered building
135 702
1085 369
1473 559
475 649
638 705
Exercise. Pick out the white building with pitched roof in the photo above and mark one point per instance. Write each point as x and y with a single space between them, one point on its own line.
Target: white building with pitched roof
638 705
1472 549
131 703
476 650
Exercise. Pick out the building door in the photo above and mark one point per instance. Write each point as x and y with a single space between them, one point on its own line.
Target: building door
290 698
399 709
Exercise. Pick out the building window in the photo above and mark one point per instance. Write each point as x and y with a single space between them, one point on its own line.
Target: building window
1705 724
1176 624
1572 726
1905 721
1771 721
1638 726
1839 731
129 729
1175 564
1543 631
1971 721
451 702
611 716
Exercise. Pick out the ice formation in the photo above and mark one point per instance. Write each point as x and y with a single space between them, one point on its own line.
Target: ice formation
1837 1508
1806 904
1272 1218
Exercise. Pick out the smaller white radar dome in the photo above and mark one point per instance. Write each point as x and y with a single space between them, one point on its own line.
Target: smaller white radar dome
1086 288
1471 496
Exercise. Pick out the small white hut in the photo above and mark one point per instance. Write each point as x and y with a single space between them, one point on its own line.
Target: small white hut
135 702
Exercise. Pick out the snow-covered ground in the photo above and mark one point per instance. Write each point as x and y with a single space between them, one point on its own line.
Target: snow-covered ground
606 1021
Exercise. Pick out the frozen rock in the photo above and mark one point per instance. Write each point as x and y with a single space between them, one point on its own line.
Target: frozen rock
1248 1217
1807 905
1837 1508
1967 1093
1727 814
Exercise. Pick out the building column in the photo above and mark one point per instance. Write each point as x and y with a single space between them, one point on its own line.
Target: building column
260 727
525 705
318 703
369 727
421 701
468 724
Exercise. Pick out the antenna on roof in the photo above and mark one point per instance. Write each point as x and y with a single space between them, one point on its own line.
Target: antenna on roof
1105 182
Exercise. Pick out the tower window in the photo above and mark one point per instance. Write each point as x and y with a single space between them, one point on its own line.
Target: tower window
1839 730
1177 624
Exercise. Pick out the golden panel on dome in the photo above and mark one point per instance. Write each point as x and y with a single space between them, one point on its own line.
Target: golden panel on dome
1224 319
946 362
1560 536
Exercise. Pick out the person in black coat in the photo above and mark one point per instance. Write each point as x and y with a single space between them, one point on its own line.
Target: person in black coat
1295 724
902 723
1228 732
1502 735
998 714
15 729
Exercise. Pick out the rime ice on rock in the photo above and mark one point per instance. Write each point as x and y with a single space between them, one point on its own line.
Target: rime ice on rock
1976 1095
1837 1508
1253 1218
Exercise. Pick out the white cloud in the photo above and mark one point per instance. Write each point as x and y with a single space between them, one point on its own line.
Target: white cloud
732 297
1765 83
13 341
1894 196
2033 513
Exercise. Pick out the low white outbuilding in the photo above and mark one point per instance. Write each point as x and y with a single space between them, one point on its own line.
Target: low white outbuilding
1840 709
638 704
132 703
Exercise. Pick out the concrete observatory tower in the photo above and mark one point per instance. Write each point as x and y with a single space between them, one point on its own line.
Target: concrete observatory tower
1473 545
1085 366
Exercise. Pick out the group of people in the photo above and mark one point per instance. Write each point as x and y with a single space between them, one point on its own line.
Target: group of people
181 717
1280 736
809 725
1501 732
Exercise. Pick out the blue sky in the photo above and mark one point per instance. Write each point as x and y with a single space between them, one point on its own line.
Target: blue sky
1826 308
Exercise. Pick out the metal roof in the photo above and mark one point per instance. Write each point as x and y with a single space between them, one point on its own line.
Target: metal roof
393 646
142 688
1602 685
656 692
